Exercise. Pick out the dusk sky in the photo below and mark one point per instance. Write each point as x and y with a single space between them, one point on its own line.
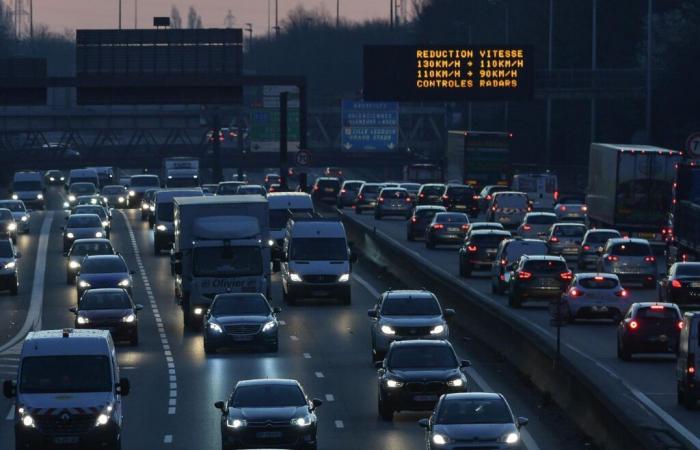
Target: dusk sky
71 14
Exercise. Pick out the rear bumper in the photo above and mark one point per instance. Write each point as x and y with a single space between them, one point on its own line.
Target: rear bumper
650 344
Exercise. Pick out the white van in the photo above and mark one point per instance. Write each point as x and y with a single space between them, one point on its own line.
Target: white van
508 208
542 189
316 261
688 362
282 206
29 187
163 216
68 391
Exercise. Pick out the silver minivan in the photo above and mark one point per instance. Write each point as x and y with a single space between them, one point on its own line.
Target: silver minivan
508 208
688 383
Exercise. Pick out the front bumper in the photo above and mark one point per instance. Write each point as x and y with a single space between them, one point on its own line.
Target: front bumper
263 436
225 339
94 439
163 239
318 290
8 278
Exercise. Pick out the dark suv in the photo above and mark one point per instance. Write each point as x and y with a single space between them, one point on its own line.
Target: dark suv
367 197
479 250
326 189
430 194
415 374
538 276
420 219
461 198
649 328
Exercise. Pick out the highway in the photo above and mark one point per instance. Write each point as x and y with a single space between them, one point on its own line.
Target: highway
653 377
325 346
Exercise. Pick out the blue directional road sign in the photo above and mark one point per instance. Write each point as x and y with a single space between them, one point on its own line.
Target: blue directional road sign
369 126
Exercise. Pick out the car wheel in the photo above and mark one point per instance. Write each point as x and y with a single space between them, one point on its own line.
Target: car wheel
276 265
347 299
409 237
209 348
386 411
274 347
13 286
622 352
69 279
156 250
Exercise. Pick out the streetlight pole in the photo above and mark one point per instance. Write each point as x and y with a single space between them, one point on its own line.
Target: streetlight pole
277 27
249 29
650 11
548 120
136 14
120 14
594 63
337 13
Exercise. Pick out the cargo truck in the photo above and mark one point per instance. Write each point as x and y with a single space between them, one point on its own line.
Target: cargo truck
181 171
685 220
478 158
221 245
630 189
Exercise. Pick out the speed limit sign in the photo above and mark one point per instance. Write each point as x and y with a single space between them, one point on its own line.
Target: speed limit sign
303 157
692 145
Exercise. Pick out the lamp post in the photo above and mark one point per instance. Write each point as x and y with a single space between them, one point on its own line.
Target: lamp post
249 29
120 14
594 62
650 43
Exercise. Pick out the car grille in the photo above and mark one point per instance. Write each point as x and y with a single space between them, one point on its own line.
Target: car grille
430 387
477 447
242 329
412 331
56 424
269 424
320 278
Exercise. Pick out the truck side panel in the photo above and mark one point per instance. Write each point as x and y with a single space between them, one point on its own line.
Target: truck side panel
602 184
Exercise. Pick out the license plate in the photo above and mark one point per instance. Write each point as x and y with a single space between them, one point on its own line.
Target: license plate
663 338
425 398
491 252
372 203
647 235
243 338
460 207
63 440
328 190
452 229
599 308
695 285
269 434
319 293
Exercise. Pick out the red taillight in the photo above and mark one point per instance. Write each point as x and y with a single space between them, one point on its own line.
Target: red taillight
316 188
680 325
573 292
488 197
650 259
657 307
408 199
691 370
475 197
554 239
504 262
612 258
380 199
567 276
633 325
343 191
472 248
361 197
562 208
438 226
527 228
493 208
445 197
622 293
676 284
414 219
465 227
586 247
421 195
556 195
524 275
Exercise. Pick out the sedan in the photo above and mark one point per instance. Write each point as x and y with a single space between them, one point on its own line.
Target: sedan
479 250
463 421
415 374
109 309
82 226
8 226
537 277
19 213
571 209
116 196
446 228
268 413
682 285
565 239
420 219
54 177
536 225
649 328
326 189
80 249
348 192
593 296
241 319
103 271
431 194
393 202
101 211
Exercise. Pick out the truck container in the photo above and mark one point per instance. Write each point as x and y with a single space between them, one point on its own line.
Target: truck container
478 158
220 245
181 172
685 220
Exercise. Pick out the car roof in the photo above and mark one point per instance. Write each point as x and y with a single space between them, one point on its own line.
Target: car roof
317 228
428 207
409 293
625 240
83 215
543 258
104 257
235 295
267 382
473 395
540 213
608 275
490 233
92 241
603 230
67 342
353 181
144 175
569 224
687 264
421 343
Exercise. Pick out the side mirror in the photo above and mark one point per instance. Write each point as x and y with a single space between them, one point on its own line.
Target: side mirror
132 272
9 388
123 387
379 365
522 421
424 423
276 310
73 309
464 364
315 403
448 313
177 267
138 307
18 255
372 313
221 407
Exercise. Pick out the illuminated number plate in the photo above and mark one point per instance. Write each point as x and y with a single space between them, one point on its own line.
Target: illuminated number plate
695 285
491 252
647 235
460 207
599 308
452 229
328 190
319 293
269 434
425 398
65 440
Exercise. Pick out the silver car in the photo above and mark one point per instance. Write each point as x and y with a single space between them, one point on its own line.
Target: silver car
571 209
592 246
8 266
476 226
406 315
536 225
565 239
116 196
631 259
393 202
594 296
19 213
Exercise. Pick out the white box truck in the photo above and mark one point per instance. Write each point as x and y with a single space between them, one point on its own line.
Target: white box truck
181 172
221 245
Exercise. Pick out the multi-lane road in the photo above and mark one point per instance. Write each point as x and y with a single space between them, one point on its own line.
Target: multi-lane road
325 346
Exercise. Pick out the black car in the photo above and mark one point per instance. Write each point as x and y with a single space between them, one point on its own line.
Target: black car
240 319
430 194
415 373
54 177
460 198
538 276
367 197
109 309
268 413
479 250
420 219
446 228
682 284
326 189
649 328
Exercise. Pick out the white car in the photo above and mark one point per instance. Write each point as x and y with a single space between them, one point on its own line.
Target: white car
536 225
594 296
571 209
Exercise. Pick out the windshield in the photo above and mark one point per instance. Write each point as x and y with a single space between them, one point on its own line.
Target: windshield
227 261
433 190
460 192
423 357
253 305
5 214
279 217
541 219
91 248
518 249
352 186
473 411
545 267
511 201
688 270
526 184
631 249
658 312
394 193
144 181
165 211
6 249
370 189
267 396
489 241
335 184
93 300
406 306
569 231
227 188
13 206
113 190
601 237
26 186
83 189
598 283
104 265
83 221
426 213
91 210
63 374
318 249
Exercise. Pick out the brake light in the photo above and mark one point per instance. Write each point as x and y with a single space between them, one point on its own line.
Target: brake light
465 227
493 208
554 239
650 259
438 226
380 199
573 292
633 325
343 191
680 324
584 208
562 208
421 195
556 195
676 284
361 197
586 247
691 370
622 293
612 258
475 197
408 199
527 228
504 262
598 278
567 276
657 307
524 275
414 219
315 188
445 197
472 248
488 197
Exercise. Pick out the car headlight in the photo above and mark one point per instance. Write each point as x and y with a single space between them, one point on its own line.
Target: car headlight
437 329
63 178
99 234
132 193
439 439
236 423
28 421
302 421
40 196
52 179
270 242
15 197
162 228
12 227
457 382
269 326
198 311
104 199
344 278
129 318
83 320
84 284
74 265
71 198
24 218
10 265
144 206
70 235
393 384
120 199
152 208
66 205
105 223
386 329
215 327
124 283
511 438
295 277
104 416
93 201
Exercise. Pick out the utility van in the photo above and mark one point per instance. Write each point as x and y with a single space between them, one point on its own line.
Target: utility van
29 187
688 381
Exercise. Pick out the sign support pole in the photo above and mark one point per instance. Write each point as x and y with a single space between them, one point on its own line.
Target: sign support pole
217 173
283 142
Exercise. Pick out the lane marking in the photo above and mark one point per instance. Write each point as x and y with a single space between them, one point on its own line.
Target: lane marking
365 284
282 322
307 356
11 413
294 338
319 375
168 439
330 398
339 424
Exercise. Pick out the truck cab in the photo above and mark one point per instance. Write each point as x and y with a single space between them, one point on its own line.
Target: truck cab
68 391
163 216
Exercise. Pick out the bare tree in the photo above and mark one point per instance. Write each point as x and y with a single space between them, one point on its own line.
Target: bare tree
194 20
175 18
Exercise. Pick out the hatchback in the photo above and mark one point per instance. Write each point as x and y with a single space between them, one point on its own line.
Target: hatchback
420 219
631 260
431 194
571 209
592 246
393 202
446 228
536 225
508 254
537 277
594 296
367 197
479 250
682 285
412 189
565 239
326 189
460 198
348 192
649 328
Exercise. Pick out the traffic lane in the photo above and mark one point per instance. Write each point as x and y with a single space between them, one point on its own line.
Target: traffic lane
653 376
